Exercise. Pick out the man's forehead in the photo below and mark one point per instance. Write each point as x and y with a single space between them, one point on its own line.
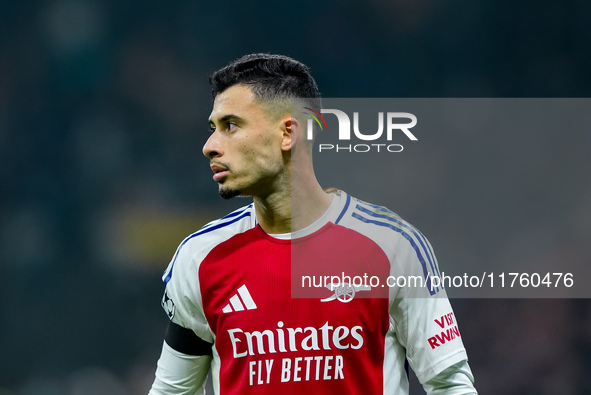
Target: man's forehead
237 99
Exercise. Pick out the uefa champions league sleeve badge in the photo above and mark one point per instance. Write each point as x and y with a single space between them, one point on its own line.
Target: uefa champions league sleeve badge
168 305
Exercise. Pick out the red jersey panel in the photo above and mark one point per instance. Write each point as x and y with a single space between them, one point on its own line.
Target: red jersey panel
271 343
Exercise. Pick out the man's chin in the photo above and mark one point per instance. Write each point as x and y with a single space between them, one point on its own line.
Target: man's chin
227 193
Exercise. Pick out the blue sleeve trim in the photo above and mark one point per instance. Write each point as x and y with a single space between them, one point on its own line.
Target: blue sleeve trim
216 225
344 210
412 243
419 236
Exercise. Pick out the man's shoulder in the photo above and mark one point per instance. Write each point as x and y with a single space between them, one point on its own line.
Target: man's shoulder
237 221
361 213
382 225
197 245
399 239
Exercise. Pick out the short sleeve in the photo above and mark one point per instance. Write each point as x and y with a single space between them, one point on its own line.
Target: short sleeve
182 297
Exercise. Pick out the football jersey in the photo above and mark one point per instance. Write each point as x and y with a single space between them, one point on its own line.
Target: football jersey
318 310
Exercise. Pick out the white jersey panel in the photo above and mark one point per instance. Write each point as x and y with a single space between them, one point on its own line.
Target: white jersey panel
418 313
182 298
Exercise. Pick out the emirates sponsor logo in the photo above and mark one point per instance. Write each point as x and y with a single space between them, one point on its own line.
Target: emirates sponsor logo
281 340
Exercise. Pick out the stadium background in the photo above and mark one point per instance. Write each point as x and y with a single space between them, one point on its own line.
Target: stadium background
103 108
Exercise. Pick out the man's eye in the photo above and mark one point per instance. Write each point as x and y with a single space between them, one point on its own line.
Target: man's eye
232 126
211 128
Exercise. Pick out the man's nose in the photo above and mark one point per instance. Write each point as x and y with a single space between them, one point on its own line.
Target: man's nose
212 146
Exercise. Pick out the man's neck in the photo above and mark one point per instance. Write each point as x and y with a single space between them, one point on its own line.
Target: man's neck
292 210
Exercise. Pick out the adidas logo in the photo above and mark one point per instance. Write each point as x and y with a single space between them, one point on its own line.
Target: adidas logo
236 304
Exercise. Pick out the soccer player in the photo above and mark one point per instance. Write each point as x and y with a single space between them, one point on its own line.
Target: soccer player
229 287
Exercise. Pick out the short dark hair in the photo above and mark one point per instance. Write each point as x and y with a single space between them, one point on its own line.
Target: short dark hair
271 78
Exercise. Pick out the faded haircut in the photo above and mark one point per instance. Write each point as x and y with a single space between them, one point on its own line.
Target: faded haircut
277 82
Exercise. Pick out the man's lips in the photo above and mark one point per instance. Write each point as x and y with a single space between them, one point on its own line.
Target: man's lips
219 172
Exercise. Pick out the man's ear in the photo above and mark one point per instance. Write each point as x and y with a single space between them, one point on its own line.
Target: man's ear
291 132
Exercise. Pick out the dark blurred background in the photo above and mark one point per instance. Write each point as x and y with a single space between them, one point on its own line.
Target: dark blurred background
103 108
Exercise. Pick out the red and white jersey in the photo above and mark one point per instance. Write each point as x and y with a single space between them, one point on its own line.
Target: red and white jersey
279 322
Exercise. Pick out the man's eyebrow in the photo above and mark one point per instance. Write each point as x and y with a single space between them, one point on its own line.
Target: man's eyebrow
226 118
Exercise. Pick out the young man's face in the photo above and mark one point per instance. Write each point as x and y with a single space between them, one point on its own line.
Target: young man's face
245 145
